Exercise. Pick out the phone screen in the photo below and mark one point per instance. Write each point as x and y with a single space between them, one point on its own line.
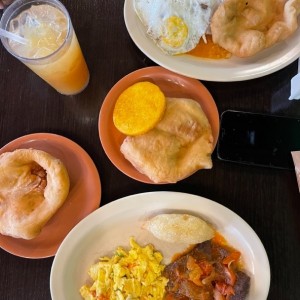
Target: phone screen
258 139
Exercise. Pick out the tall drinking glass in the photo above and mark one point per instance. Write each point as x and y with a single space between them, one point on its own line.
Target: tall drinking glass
52 50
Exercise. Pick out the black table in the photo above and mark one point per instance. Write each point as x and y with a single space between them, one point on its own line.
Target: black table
267 199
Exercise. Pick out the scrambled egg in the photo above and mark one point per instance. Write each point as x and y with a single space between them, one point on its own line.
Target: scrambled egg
136 274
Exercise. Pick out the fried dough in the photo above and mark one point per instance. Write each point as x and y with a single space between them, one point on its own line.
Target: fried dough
246 27
34 185
179 145
180 228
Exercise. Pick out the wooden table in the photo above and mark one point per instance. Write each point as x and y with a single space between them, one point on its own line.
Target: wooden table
267 199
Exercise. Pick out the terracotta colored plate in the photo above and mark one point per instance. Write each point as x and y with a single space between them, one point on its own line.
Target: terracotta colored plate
173 85
84 196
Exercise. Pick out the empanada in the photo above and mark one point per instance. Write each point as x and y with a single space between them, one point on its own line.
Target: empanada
33 186
180 228
179 145
245 27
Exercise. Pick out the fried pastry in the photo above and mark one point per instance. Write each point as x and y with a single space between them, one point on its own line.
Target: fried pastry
180 228
246 27
34 185
179 145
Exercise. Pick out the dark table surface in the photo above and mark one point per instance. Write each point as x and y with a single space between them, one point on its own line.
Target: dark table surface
267 199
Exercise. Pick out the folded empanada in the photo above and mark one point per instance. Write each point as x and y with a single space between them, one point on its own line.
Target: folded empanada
180 228
179 145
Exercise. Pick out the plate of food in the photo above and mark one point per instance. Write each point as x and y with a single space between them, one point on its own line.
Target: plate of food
162 138
49 183
166 227
258 50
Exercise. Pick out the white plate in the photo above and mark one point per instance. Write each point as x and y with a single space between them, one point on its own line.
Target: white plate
233 69
113 224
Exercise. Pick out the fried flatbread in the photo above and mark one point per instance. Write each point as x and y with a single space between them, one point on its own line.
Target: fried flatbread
246 27
179 145
34 184
180 228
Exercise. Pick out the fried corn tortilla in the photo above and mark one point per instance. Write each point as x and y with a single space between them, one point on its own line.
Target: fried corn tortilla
139 108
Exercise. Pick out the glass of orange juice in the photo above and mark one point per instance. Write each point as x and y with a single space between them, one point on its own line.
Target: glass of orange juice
51 50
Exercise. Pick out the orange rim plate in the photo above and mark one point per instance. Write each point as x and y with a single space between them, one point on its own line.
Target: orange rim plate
173 85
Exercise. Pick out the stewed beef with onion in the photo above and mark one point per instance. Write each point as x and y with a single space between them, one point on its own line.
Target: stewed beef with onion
210 271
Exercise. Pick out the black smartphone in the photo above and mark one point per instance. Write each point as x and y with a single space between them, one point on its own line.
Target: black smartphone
258 139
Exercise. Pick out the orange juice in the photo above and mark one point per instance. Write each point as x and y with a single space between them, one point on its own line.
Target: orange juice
68 74
52 51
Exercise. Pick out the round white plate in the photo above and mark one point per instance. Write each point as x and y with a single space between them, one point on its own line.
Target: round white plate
113 224
233 69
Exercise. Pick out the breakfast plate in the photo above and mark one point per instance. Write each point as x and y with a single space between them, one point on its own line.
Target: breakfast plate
113 224
233 69
84 196
173 85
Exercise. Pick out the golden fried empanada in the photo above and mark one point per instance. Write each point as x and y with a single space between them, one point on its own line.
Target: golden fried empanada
179 145
33 186
180 228
245 27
